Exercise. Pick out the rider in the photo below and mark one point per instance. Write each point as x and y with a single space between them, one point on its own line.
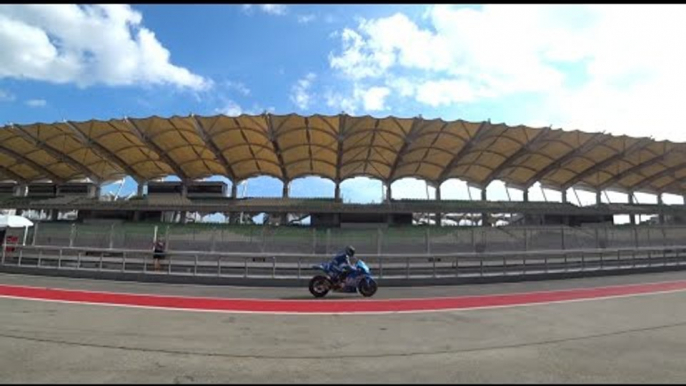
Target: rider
342 264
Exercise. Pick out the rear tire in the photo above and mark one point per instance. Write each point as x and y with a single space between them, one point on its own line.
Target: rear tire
320 286
367 287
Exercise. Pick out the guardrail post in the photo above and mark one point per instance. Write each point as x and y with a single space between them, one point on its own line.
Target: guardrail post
123 262
245 262
35 232
111 236
4 247
602 262
212 245
102 254
78 260
504 265
434 260
619 258
650 259
457 267
636 243
299 263
562 237
597 239
407 267
379 240
273 267
195 266
583 262
59 259
473 240
524 264
71 235
481 266
40 254
219 266
145 263
380 266
545 260
169 264
21 252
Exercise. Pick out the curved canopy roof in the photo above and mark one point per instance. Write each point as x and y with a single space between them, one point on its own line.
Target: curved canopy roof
337 147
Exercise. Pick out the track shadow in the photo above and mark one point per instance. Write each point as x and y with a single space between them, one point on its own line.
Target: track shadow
307 296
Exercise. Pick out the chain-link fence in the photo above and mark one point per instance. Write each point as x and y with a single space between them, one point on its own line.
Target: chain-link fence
394 240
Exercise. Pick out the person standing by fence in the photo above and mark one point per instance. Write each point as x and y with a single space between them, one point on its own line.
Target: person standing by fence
159 254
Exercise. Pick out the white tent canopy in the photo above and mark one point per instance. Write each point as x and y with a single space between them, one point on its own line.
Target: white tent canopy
10 221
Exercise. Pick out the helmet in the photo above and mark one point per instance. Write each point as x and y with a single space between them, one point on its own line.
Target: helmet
350 250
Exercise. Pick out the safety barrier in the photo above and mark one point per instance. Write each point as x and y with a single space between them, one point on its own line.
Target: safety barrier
383 266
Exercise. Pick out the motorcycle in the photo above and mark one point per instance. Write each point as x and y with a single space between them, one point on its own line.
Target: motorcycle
358 280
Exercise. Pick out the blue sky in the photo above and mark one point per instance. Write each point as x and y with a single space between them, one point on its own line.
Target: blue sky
571 67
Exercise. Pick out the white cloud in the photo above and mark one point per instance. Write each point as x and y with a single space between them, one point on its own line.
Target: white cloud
272 9
300 91
231 108
86 45
590 65
238 86
346 104
6 96
368 99
36 102
304 19
374 97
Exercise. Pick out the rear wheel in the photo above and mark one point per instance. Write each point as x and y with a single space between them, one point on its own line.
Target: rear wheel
367 287
320 286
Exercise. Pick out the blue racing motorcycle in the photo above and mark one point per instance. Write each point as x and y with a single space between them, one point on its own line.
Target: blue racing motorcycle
358 280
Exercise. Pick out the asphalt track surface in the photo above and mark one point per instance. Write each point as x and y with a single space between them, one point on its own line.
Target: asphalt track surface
631 339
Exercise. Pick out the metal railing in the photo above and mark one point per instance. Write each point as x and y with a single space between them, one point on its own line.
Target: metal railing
264 239
297 266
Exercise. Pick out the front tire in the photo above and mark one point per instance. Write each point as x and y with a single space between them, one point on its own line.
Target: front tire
367 287
320 286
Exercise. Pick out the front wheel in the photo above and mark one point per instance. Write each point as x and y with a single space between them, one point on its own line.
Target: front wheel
320 286
367 287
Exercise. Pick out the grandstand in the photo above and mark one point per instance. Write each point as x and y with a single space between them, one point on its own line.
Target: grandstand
59 168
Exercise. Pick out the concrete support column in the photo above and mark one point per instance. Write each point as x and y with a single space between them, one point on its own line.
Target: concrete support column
388 192
234 189
438 198
140 189
525 195
184 190
184 216
285 192
337 191
54 214
598 200
632 217
21 190
484 216
564 196
661 216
